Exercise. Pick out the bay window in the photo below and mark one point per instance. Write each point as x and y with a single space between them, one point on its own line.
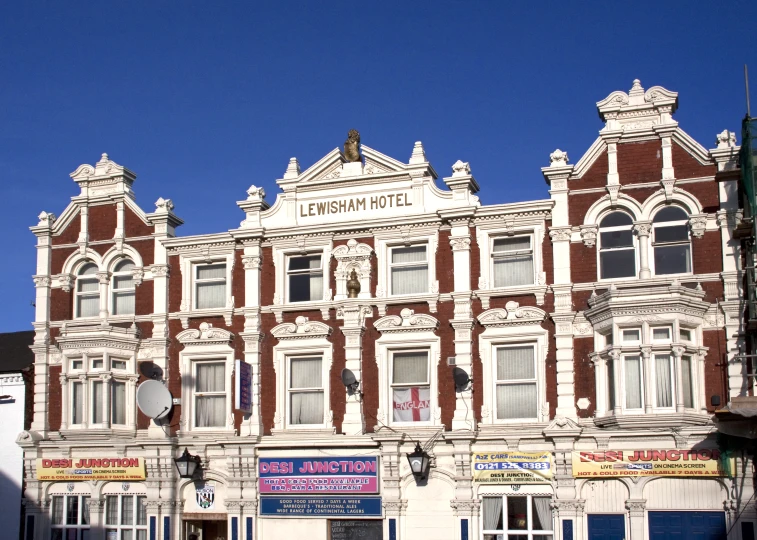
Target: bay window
87 292
663 373
672 247
410 387
515 381
210 394
305 278
210 286
306 395
617 252
512 261
409 270
96 397
522 517
126 517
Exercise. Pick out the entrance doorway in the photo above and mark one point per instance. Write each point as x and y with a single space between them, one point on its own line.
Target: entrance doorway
607 527
206 529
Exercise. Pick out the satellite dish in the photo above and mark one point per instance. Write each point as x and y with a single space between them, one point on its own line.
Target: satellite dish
461 379
151 370
349 381
154 399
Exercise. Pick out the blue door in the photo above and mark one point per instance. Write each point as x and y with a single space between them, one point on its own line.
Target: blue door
685 525
607 527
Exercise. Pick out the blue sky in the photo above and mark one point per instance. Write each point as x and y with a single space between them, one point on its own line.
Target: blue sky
203 99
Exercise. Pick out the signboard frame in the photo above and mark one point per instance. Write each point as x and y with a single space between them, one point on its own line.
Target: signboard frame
81 469
318 476
267 500
243 386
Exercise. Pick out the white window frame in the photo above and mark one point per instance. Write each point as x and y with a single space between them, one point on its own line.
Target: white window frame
653 241
77 294
323 271
656 341
392 385
631 342
189 361
386 346
117 489
496 382
673 387
188 264
485 236
624 385
88 376
195 394
59 490
634 240
282 249
285 350
290 391
384 245
113 291
197 281
494 255
525 491
393 265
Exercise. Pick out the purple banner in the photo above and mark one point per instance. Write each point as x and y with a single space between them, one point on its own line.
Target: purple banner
310 476
243 395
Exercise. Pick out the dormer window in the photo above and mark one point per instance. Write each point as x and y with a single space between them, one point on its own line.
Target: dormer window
87 292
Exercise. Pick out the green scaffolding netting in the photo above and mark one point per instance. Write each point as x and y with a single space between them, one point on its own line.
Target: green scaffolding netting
748 160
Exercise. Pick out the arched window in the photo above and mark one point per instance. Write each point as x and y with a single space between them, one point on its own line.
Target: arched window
617 254
672 249
123 288
87 292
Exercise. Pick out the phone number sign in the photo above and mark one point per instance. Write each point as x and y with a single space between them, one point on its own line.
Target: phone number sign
512 467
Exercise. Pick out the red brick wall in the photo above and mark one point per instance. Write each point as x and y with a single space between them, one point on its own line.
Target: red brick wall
686 166
54 394
267 278
475 259
58 258
445 266
715 368
584 376
143 298
595 177
583 263
61 305
640 162
267 371
174 284
70 234
134 226
370 383
706 253
547 255
102 222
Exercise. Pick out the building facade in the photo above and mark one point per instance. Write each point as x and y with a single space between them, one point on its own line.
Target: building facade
600 328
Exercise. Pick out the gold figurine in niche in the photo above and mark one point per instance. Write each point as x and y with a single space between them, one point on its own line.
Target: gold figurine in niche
352 146
353 285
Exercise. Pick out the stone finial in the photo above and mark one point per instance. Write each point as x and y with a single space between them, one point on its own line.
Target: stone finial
46 219
163 205
558 158
636 89
461 168
255 193
418 155
293 169
726 139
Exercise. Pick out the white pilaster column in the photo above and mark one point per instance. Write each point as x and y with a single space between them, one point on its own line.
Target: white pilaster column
107 379
96 518
65 399
252 259
600 383
460 243
463 419
636 513
643 230
83 239
677 353
103 279
646 359
354 315
614 355
85 414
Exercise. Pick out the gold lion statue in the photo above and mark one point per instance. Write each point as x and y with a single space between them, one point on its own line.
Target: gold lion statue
352 146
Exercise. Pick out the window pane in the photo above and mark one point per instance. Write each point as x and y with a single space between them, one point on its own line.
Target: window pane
88 306
97 363
123 282
516 401
141 510
512 244
631 335
77 403
410 368
688 395
633 382
88 285
672 259
57 510
305 263
127 534
513 271
670 213
685 335
85 510
306 408
118 364
118 403
409 254
56 534
72 510
211 295
124 266
127 509
211 271
123 303
515 363
541 514
676 233
617 239
492 513
611 383
142 534
88 270
661 333
97 402
305 287
111 510
411 404
210 378
663 380
410 280
618 264
616 219
517 513
211 411
305 373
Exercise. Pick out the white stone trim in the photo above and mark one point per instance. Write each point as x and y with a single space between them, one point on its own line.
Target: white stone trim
407 237
282 249
187 265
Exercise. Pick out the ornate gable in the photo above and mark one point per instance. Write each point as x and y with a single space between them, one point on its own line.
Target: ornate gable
301 328
206 335
512 315
407 321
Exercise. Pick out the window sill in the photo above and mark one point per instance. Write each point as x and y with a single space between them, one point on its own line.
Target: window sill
91 433
381 303
640 420
487 294
207 433
303 432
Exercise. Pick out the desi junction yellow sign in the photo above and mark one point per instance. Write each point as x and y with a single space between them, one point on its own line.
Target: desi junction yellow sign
512 467
610 463
91 469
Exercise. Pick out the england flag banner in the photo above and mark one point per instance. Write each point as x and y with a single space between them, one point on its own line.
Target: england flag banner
412 404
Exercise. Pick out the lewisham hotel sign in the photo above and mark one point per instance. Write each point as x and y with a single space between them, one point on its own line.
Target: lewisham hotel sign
354 204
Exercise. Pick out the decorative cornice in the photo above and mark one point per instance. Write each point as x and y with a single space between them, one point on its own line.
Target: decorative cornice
406 321
302 328
206 335
512 315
